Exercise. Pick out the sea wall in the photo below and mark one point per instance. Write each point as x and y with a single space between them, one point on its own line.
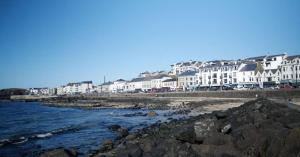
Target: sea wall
286 94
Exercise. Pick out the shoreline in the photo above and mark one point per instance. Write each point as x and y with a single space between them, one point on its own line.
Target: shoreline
238 131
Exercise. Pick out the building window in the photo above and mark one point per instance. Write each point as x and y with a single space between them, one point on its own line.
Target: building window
214 75
225 74
234 80
214 81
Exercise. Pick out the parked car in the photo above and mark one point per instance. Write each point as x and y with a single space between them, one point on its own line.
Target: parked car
227 87
241 87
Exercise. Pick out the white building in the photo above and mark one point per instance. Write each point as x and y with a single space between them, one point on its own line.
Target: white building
156 81
268 62
187 80
170 83
134 85
76 88
290 70
181 67
118 86
39 91
265 76
217 73
247 74
104 88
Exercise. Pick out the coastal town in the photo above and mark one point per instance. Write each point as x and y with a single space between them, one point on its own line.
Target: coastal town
261 72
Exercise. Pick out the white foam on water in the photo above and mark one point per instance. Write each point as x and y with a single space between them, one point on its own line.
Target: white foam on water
44 135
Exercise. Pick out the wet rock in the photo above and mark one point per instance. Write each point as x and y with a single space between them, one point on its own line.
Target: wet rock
220 115
226 129
218 139
130 150
135 114
292 144
152 114
130 137
203 128
114 127
107 145
60 153
123 132
186 134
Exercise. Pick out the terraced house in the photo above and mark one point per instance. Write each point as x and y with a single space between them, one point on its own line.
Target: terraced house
290 70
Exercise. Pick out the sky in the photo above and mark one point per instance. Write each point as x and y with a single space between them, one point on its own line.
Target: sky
48 43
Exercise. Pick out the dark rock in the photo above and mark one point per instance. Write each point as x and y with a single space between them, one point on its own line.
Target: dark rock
292 144
130 137
203 127
186 134
226 129
220 115
135 114
114 127
123 132
130 150
107 145
60 153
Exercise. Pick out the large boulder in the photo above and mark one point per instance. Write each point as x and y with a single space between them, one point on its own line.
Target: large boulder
122 132
203 128
114 127
60 153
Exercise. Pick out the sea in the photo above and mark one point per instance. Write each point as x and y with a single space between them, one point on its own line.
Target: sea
30 128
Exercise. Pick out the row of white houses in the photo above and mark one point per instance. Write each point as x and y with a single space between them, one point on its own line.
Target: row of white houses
260 70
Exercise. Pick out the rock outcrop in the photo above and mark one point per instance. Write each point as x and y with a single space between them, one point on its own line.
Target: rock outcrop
259 128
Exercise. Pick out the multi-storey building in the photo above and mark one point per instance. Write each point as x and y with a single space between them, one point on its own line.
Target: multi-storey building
170 83
216 73
40 91
268 62
290 70
187 80
76 88
181 67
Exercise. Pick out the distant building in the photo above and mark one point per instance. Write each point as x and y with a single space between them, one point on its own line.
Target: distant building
104 88
247 73
290 70
118 86
217 73
39 91
170 83
187 80
181 67
83 87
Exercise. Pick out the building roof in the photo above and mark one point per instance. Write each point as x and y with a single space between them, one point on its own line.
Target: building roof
120 80
292 57
256 58
188 73
170 80
89 82
107 83
249 67
139 79
276 55
273 71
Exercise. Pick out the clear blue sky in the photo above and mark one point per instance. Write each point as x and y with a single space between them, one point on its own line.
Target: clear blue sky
53 42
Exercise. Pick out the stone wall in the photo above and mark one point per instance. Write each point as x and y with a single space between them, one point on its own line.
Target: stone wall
233 94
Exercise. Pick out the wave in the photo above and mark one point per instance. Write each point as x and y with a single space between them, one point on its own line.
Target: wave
23 139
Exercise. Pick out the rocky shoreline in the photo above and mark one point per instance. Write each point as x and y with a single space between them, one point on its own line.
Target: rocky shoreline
258 128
